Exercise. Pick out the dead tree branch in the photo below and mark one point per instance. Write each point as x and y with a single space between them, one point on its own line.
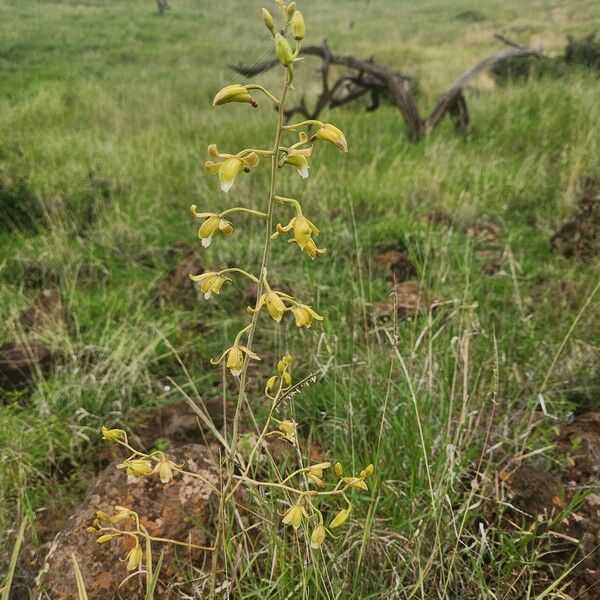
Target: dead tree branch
368 78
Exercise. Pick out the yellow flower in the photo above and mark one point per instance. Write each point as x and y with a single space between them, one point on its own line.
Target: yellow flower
289 429
318 536
340 518
134 558
367 471
330 133
298 28
234 93
293 515
274 303
315 473
137 467
303 230
113 435
235 358
359 482
284 363
210 283
305 315
298 159
270 384
230 168
213 224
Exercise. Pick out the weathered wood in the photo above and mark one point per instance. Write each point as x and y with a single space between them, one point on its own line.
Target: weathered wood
369 78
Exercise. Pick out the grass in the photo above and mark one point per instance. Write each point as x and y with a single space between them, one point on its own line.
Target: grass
104 120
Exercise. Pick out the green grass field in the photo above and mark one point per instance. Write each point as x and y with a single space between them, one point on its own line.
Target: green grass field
105 116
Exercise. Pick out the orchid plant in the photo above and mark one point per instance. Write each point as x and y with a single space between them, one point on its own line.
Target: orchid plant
304 489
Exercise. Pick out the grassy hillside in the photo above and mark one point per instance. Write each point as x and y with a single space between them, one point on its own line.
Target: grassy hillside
105 116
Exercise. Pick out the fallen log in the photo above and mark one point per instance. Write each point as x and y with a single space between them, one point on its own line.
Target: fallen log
369 78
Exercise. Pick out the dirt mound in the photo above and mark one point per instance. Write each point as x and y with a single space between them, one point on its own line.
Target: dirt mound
540 495
47 309
580 237
396 265
21 360
406 300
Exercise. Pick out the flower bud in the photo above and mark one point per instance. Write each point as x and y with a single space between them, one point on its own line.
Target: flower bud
318 537
298 29
283 50
291 7
105 538
270 384
338 469
134 558
234 93
330 133
137 467
165 472
267 18
340 518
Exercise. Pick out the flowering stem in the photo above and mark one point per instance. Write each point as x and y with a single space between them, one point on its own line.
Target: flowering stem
263 266
231 458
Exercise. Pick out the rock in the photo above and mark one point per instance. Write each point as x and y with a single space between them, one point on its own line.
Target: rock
47 309
179 423
21 360
177 287
396 265
181 510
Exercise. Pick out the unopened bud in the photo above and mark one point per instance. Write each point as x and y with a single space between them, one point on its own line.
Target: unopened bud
298 29
291 8
267 18
283 50
233 93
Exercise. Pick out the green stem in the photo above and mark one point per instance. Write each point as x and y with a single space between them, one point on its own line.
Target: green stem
236 270
284 200
260 88
256 213
302 124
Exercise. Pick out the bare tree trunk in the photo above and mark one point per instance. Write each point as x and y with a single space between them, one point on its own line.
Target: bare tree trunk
369 78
